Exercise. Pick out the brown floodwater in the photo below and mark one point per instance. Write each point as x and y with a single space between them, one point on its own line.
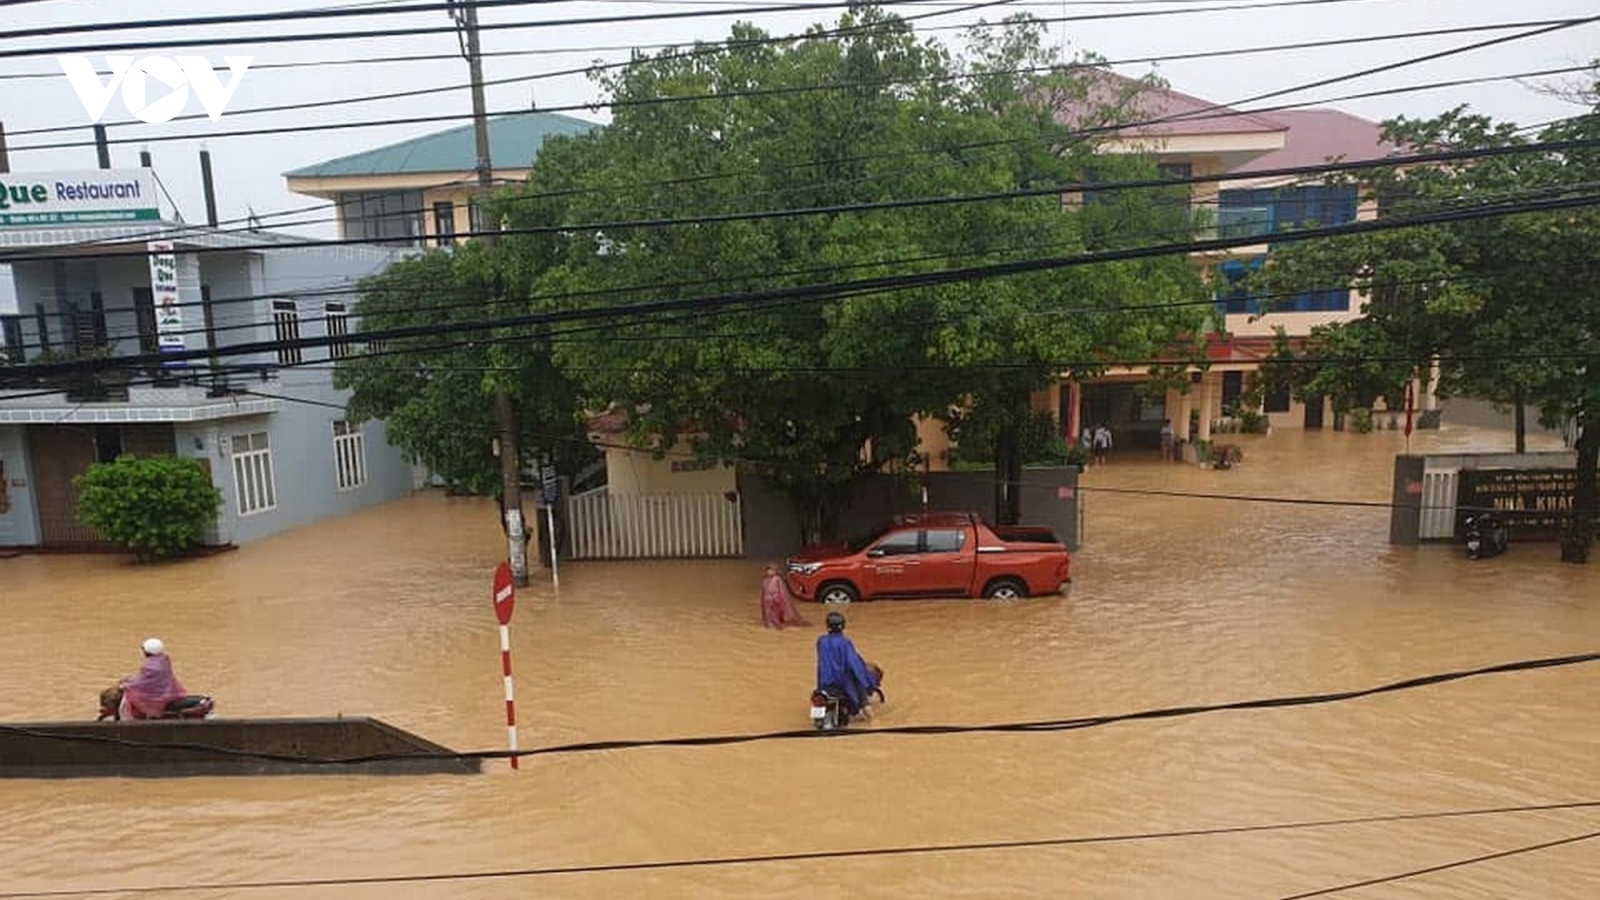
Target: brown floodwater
1176 601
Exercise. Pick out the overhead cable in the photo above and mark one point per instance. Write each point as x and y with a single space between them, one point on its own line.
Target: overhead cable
864 852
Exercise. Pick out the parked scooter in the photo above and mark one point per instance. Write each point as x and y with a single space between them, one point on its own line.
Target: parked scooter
193 706
1485 536
830 708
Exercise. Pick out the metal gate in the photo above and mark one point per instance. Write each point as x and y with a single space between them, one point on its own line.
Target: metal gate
1439 503
603 525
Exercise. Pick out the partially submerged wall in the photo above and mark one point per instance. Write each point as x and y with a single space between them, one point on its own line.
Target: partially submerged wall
218 747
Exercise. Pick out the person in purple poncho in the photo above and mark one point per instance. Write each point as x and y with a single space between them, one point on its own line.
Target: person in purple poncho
841 668
145 695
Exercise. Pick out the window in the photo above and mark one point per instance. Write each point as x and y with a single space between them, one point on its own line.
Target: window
11 350
1276 398
1233 298
338 321
44 326
899 543
1266 210
378 215
144 314
444 223
1232 388
349 455
286 322
946 540
107 443
253 485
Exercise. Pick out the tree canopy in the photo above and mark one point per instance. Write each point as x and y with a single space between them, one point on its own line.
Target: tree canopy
821 390
1508 307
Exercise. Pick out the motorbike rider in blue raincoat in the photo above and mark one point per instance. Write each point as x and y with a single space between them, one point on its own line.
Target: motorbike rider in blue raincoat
840 668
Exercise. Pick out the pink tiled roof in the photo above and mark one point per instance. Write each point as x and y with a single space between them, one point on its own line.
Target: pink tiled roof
1189 115
1317 135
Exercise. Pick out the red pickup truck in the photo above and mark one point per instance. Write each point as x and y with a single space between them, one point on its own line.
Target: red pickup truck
933 554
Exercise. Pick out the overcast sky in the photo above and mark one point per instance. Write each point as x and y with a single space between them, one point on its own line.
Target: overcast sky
249 170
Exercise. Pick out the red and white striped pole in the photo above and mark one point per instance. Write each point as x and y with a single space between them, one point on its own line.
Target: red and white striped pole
505 600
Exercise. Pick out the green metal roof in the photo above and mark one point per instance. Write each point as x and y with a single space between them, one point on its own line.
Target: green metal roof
514 142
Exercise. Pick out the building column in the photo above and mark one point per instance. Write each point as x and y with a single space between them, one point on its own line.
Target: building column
1074 426
1206 388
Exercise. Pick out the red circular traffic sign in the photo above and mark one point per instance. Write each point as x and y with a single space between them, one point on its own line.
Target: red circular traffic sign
505 593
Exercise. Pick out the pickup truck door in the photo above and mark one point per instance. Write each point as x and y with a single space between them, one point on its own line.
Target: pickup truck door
948 558
893 566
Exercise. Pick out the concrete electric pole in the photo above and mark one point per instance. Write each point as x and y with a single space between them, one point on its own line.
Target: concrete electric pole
465 13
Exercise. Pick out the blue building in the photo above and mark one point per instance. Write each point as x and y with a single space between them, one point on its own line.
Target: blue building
87 273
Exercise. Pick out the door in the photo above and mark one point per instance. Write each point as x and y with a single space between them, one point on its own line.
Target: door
893 566
947 561
59 454
1314 411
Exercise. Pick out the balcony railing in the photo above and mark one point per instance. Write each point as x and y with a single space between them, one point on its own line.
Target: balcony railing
109 386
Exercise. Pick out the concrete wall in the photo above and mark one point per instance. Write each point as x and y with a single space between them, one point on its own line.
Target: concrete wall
19 522
773 529
635 472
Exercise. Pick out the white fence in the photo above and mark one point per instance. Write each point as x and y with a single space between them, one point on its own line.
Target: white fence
653 526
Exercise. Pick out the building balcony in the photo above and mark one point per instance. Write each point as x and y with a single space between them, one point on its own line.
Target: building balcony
127 397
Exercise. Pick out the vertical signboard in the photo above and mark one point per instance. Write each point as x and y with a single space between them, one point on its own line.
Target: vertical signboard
164 293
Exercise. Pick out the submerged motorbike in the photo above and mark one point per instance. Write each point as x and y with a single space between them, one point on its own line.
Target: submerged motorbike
193 706
1485 536
830 708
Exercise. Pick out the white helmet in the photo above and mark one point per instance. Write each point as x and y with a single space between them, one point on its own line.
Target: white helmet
153 647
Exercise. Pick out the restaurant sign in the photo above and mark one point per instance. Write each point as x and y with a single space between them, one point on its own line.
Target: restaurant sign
78 197
1533 503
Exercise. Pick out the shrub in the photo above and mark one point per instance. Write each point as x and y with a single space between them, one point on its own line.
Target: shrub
1361 420
157 507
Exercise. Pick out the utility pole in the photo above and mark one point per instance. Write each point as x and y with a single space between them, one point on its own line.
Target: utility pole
465 13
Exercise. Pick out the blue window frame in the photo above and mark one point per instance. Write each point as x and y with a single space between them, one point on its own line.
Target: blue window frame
1233 298
1268 210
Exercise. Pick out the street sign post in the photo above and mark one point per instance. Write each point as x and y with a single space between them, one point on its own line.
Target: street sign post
505 602
552 493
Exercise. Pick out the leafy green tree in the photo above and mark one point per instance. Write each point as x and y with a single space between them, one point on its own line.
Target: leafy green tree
823 392
436 395
157 507
1508 306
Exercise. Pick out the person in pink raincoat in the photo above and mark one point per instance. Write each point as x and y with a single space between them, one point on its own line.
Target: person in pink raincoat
145 695
777 604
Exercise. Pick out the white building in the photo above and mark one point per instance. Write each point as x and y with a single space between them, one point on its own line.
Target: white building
81 276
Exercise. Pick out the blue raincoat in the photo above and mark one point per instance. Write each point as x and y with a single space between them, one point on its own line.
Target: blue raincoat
840 666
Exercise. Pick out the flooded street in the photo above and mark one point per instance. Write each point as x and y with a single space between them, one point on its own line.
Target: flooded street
1176 601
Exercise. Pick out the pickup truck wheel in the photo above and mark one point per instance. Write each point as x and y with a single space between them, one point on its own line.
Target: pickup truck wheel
837 592
1005 589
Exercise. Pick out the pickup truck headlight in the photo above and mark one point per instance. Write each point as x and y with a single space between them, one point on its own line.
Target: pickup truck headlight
804 568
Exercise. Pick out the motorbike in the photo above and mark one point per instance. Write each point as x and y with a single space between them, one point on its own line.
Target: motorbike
1485 536
830 708
192 706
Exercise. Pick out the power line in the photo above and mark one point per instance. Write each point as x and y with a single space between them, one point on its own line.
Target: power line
739 44
1027 727
1456 864
742 43
809 856
834 290
873 206
584 20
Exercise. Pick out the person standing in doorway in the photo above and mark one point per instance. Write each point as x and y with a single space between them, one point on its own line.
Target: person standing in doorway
1102 444
1168 444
